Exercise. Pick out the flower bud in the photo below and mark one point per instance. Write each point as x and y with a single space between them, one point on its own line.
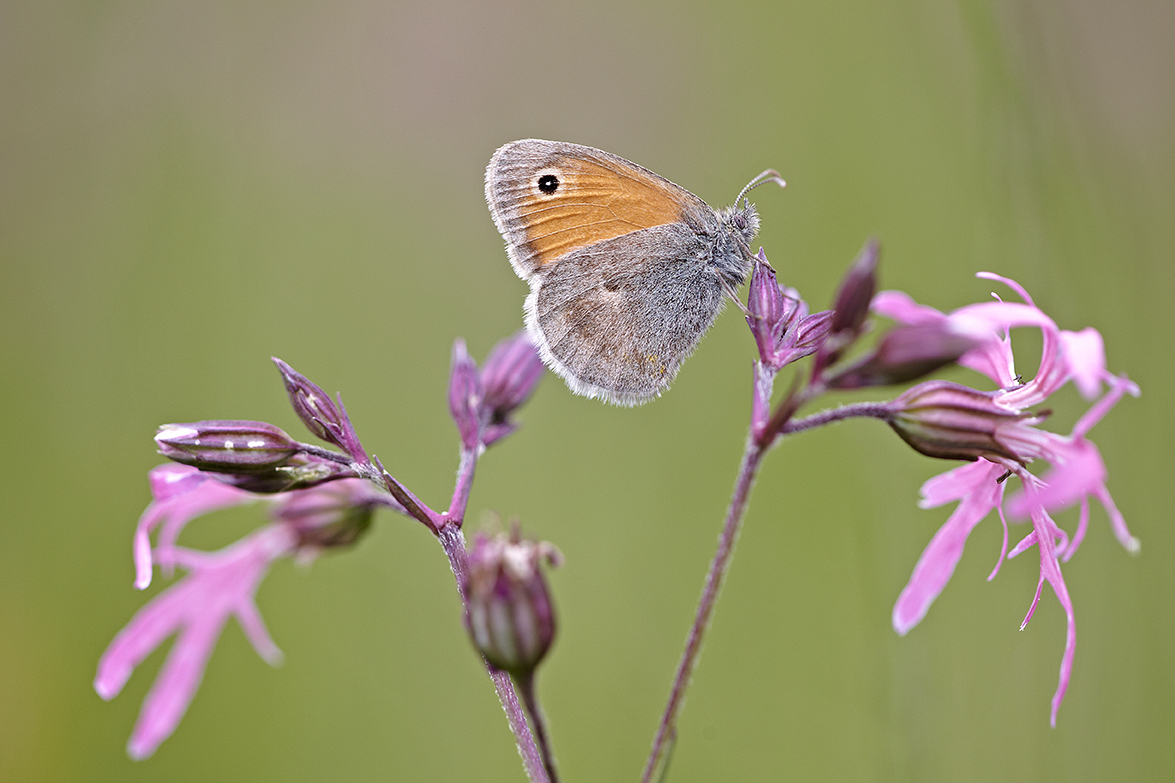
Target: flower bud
805 334
856 292
904 354
511 619
951 421
300 472
779 320
227 446
511 372
325 417
765 309
333 515
465 396
851 308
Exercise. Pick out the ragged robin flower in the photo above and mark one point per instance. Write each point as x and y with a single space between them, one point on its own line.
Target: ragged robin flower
999 431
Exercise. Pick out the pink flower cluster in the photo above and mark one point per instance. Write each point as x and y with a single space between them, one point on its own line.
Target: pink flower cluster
219 584
1076 471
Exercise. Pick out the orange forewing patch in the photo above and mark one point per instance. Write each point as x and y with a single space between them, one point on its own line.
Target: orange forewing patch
596 200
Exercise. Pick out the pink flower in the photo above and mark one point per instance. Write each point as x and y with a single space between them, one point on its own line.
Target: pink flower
218 585
181 494
1076 473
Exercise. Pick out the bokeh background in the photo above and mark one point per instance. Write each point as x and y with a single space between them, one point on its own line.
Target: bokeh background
189 188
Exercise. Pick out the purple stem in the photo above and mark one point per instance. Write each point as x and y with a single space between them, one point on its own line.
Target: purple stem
718 567
412 504
873 410
456 512
780 424
452 540
526 687
531 758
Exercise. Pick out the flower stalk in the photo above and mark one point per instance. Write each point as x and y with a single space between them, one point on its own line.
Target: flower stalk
666 734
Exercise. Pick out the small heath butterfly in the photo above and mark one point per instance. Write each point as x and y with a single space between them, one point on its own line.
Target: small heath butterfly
627 271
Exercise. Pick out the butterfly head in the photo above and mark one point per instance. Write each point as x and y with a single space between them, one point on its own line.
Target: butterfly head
731 243
739 224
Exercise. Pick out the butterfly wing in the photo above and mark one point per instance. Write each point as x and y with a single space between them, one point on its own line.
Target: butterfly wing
551 198
617 318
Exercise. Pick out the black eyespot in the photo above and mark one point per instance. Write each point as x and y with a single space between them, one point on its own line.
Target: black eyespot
548 183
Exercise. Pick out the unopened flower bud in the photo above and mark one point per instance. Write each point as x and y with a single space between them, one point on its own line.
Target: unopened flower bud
465 396
904 354
227 446
804 335
779 320
856 292
333 515
765 308
851 308
511 619
951 421
300 472
325 417
511 372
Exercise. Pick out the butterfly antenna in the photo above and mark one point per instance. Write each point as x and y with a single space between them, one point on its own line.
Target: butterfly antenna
770 175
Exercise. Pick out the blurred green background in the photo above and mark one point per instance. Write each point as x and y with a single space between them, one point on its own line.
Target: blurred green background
189 188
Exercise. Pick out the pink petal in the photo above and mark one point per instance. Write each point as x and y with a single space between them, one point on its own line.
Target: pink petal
993 360
937 563
173 689
210 496
1025 543
957 483
1003 547
141 551
258 635
1119 385
1077 472
181 497
1079 535
1117 522
1050 571
147 629
901 307
219 584
1085 355
1001 316
1009 282
1035 602
169 479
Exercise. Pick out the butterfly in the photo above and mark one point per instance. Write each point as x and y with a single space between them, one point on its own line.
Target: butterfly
626 270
